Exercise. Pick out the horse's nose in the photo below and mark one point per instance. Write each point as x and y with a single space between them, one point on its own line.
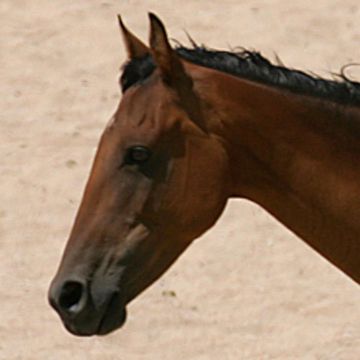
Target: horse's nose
69 298
88 305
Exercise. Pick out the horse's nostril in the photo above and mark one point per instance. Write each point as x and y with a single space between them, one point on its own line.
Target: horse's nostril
71 295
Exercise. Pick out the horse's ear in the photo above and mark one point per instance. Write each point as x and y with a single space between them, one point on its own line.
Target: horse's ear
135 47
172 70
164 56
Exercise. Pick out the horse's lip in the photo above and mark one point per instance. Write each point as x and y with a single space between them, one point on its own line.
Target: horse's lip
113 317
78 331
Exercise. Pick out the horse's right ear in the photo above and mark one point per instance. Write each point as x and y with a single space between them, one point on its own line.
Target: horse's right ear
135 47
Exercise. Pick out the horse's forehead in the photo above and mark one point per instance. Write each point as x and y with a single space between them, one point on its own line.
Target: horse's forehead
143 105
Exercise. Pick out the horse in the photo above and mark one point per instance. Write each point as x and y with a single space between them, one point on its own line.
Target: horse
194 128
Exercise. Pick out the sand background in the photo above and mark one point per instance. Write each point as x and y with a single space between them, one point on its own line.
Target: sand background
248 289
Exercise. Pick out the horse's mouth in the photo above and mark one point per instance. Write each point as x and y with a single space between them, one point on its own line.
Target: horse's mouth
113 318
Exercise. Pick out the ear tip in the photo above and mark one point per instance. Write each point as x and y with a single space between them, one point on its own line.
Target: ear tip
121 23
155 20
152 16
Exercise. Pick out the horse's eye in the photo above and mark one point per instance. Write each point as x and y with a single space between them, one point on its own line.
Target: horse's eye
137 155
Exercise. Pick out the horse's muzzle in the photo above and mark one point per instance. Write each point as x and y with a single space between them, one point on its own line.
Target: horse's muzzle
87 308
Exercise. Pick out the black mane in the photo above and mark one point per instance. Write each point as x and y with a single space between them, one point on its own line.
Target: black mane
253 66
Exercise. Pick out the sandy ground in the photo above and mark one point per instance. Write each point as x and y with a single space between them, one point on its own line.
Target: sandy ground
248 289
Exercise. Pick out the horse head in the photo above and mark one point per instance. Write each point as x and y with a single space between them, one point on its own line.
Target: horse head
159 180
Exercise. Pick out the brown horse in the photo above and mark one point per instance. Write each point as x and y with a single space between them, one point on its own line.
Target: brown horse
194 128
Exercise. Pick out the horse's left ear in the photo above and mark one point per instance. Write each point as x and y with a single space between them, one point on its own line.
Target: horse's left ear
171 68
135 48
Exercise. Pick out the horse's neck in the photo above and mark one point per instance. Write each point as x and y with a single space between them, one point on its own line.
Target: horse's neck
293 156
